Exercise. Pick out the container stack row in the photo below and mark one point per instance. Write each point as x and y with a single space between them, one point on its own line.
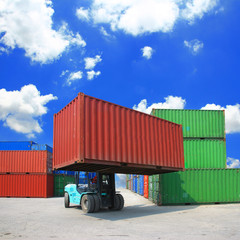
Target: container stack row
205 179
135 183
25 170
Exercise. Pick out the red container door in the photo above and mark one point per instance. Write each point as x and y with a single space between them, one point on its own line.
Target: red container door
146 186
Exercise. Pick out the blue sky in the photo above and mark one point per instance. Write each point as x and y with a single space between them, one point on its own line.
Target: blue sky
173 53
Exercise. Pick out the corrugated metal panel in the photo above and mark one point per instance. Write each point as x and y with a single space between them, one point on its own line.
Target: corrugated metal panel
24 146
200 186
25 162
204 153
196 123
141 185
153 196
42 147
93 134
130 184
26 185
70 173
146 186
16 145
60 181
135 185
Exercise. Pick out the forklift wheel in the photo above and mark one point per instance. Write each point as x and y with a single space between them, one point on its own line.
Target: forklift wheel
66 200
96 203
87 203
121 201
116 203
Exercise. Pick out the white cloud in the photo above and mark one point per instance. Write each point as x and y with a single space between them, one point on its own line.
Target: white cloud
197 8
232 116
90 63
3 50
147 52
171 102
21 110
92 74
137 17
28 25
63 73
73 39
233 163
74 76
104 32
195 45
82 14
220 10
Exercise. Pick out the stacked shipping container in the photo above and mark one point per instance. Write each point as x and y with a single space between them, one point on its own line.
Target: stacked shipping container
206 179
25 171
135 183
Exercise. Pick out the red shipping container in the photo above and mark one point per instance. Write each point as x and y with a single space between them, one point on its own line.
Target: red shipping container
26 185
94 135
146 186
25 162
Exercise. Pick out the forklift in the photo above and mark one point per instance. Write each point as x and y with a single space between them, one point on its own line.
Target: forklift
98 193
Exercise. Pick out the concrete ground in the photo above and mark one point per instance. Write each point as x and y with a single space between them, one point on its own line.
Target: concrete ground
29 218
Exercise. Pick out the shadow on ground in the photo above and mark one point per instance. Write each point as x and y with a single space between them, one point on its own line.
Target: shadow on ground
136 211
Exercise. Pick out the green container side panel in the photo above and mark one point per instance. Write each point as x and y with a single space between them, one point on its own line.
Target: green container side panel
200 186
204 153
150 178
150 186
60 181
154 196
196 123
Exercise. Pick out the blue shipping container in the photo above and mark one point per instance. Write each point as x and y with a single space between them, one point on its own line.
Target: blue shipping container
91 175
42 147
69 173
141 179
11 146
135 184
24 146
83 181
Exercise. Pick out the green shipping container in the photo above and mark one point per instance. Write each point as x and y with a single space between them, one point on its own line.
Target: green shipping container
60 181
150 178
196 123
204 153
154 196
200 186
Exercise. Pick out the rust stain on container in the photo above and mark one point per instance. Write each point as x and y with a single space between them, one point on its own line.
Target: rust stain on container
25 162
94 135
26 185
